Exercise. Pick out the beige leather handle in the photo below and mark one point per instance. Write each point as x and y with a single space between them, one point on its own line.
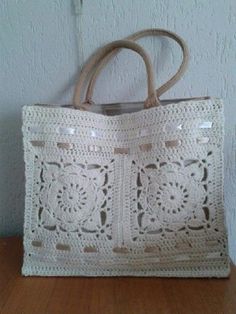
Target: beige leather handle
146 32
102 53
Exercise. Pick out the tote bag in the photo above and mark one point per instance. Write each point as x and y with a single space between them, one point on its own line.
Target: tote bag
134 194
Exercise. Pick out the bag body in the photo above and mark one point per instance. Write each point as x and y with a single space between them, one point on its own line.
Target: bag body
135 194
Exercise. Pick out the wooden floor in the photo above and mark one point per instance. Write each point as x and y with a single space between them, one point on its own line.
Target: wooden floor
108 295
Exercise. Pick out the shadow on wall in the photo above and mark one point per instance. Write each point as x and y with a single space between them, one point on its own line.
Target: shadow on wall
131 82
12 174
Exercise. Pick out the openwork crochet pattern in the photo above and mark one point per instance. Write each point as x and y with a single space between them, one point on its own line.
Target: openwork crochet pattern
138 194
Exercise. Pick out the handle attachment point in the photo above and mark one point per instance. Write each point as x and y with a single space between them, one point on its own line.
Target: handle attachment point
99 56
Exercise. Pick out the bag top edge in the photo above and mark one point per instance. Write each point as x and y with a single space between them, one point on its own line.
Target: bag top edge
163 102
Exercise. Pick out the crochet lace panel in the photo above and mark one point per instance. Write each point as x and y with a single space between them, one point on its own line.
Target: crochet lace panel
134 194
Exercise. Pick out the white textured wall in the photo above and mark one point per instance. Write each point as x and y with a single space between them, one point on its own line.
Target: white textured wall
44 42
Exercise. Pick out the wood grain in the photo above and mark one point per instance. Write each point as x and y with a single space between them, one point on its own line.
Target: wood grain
25 295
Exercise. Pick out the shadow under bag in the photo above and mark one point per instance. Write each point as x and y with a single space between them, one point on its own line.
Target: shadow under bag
128 189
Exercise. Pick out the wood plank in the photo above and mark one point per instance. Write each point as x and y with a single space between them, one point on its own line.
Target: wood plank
22 295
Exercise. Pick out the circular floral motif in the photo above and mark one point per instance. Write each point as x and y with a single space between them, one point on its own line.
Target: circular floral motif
170 197
70 196
173 197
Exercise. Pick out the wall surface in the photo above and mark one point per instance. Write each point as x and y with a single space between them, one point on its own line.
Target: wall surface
43 44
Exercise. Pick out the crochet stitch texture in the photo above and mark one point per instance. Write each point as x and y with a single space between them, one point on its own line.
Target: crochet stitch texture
138 194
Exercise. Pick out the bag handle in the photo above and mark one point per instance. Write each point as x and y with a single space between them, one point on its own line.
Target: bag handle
102 53
146 32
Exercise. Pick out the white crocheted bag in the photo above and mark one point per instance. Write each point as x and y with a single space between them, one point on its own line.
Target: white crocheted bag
133 194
